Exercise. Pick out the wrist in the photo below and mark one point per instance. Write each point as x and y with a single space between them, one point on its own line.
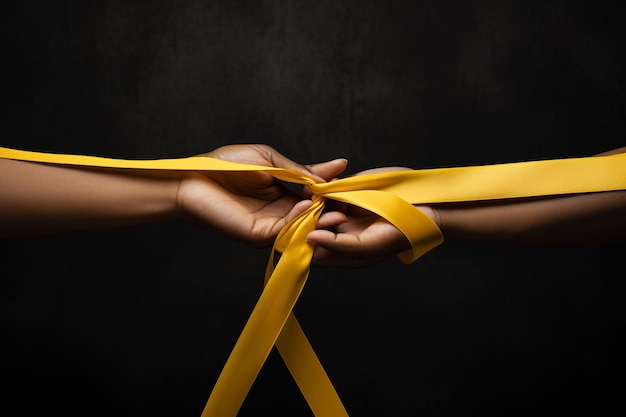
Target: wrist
432 213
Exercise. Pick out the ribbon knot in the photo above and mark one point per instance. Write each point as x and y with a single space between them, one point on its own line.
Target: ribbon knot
391 195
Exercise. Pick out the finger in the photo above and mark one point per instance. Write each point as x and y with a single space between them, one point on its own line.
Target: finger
260 154
384 169
322 237
330 169
327 171
331 219
325 258
299 208
341 243
279 160
349 244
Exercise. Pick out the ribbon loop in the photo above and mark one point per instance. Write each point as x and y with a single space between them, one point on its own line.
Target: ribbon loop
422 233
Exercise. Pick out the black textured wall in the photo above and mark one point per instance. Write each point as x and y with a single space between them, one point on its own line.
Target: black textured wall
139 322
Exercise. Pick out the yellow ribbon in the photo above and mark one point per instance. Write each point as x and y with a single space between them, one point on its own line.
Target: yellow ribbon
390 195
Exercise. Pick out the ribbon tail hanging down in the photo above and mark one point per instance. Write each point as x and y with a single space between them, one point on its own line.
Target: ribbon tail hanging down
264 329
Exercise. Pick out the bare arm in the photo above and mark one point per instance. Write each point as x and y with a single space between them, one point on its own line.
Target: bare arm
39 199
357 238
583 218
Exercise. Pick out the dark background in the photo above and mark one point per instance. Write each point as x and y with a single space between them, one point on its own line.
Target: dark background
139 321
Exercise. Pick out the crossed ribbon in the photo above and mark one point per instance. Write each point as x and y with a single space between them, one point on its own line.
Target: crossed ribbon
392 195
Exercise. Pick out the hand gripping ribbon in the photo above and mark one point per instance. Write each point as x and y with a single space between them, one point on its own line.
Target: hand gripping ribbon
391 195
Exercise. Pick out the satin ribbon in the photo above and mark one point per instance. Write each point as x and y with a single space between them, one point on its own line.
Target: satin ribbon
391 195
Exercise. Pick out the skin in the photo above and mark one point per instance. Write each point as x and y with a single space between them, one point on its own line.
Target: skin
43 199
348 236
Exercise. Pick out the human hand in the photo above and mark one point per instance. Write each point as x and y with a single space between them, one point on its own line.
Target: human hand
350 236
248 206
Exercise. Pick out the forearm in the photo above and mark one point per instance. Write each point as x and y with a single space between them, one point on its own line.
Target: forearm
590 218
42 199
594 217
